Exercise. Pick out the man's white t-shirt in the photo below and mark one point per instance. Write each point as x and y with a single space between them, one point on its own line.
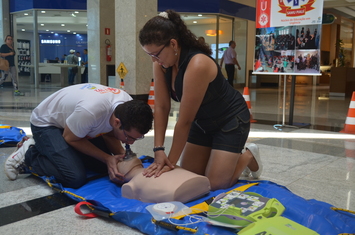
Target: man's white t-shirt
85 108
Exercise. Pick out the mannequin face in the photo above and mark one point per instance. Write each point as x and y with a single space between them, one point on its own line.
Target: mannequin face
125 167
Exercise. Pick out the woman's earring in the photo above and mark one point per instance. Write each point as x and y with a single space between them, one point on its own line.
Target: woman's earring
175 52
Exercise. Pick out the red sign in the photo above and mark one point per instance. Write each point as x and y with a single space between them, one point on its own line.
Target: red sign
263 16
107 31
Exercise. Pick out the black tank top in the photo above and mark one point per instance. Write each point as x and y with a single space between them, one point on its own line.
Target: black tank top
221 101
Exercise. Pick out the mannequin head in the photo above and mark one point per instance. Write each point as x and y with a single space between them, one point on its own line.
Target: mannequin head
130 168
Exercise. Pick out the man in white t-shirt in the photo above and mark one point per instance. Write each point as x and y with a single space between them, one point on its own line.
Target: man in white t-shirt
230 59
77 128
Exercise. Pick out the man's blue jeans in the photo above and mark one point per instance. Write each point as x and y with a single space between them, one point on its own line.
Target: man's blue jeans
53 156
71 76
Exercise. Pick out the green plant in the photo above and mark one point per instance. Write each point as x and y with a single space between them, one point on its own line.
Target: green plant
341 56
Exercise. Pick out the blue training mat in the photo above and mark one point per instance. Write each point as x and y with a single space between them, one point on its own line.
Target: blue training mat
107 201
10 135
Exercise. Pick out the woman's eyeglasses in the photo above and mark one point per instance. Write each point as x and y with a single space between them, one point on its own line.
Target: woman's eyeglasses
156 56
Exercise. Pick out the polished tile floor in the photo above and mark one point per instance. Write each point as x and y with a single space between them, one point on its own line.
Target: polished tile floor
309 156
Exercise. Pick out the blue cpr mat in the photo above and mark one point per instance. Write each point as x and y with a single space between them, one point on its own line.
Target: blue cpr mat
107 201
10 135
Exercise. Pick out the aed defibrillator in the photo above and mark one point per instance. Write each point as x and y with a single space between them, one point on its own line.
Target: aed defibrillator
275 226
243 208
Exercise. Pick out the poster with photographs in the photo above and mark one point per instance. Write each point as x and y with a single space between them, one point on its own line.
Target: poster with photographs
288 38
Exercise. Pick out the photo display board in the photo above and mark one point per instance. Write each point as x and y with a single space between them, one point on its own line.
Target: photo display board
288 36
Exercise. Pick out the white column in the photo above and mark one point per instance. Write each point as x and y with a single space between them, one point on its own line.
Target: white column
35 46
130 17
100 15
5 19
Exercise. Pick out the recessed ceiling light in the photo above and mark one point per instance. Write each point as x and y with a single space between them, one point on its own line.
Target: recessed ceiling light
62 25
42 24
43 11
74 32
52 32
195 22
76 12
47 30
68 30
26 14
199 15
23 29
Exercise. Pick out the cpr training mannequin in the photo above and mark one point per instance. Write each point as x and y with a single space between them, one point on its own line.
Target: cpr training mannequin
176 185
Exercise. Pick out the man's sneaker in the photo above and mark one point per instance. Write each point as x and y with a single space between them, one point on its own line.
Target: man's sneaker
15 163
18 93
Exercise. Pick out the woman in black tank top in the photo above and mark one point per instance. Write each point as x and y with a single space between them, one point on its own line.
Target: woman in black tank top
213 123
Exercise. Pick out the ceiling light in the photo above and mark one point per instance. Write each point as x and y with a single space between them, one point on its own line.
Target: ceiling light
74 32
23 29
76 12
52 32
47 30
73 15
68 30
62 25
195 22
199 15
26 14
43 11
42 24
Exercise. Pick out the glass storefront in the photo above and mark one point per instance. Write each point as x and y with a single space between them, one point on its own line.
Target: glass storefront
59 31
346 35
218 31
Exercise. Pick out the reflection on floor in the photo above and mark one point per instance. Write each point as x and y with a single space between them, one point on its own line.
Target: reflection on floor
307 155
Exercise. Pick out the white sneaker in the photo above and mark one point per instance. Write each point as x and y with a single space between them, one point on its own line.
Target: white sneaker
14 164
246 172
253 148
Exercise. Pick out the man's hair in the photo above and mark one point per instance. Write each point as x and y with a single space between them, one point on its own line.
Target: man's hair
231 42
135 114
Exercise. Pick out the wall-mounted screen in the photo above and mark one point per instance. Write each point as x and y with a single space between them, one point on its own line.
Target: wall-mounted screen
221 48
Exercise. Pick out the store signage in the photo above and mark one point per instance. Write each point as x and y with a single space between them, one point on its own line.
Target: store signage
288 12
51 41
288 36
328 18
